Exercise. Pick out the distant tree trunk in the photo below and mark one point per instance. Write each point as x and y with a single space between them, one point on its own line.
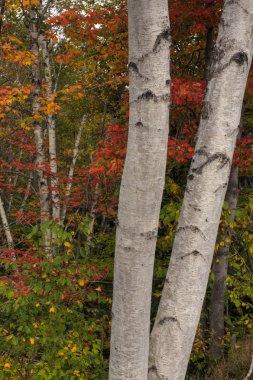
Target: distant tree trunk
220 266
27 192
209 46
208 54
15 181
184 290
72 167
38 129
220 270
2 11
92 219
56 212
141 187
6 226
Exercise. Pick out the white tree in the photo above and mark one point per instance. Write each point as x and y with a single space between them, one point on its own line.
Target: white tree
35 35
141 187
6 226
184 290
56 212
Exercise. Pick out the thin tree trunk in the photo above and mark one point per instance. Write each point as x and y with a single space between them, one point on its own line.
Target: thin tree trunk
14 183
56 212
72 167
2 11
141 187
38 129
209 51
220 270
92 219
250 371
6 226
184 290
220 265
209 47
27 192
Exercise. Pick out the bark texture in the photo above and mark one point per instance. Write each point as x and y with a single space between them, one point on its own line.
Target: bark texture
141 187
180 307
38 129
56 212
220 270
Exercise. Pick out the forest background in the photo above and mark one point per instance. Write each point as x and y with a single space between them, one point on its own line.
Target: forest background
63 136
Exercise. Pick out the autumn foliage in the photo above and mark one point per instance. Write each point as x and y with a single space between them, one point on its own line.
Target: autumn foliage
55 309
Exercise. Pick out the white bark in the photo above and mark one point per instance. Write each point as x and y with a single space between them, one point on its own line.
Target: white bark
72 167
182 297
6 226
56 212
141 187
38 129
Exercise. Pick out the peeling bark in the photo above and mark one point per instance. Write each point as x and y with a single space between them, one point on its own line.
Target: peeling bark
183 293
141 187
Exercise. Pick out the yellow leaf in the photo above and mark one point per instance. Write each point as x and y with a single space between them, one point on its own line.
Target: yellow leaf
32 340
73 349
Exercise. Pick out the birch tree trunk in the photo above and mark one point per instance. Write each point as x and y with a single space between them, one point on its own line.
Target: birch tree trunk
220 270
72 167
184 290
38 129
6 226
56 212
141 187
92 220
